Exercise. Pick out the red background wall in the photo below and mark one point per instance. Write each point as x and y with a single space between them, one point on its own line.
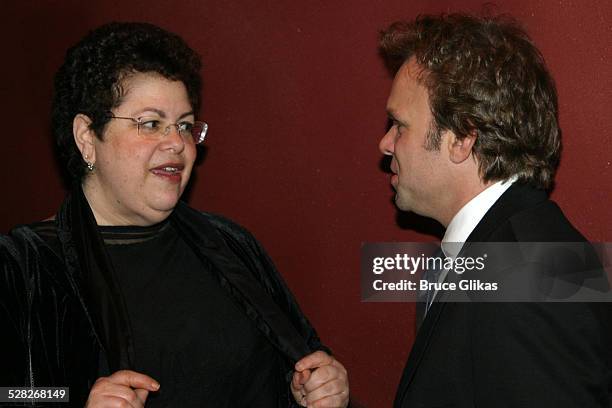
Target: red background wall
295 95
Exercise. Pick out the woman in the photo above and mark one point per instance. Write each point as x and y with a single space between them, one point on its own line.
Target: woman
128 295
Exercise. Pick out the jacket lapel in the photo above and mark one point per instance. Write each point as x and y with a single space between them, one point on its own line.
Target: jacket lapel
88 263
240 282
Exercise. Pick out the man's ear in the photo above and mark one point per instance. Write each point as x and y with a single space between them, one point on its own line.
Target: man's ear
461 148
84 137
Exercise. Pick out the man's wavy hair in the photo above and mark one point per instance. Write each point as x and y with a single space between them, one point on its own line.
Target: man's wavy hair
485 76
90 80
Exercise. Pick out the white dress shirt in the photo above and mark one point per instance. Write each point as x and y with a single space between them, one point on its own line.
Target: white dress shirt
468 217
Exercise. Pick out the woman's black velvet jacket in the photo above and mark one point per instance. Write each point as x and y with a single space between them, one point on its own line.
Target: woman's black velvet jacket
60 306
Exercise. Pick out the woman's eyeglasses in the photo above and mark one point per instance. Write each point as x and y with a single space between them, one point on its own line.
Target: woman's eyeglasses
151 127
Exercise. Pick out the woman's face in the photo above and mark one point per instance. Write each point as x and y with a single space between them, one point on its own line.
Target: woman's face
138 180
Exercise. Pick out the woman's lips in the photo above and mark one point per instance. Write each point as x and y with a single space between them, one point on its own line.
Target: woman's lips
170 171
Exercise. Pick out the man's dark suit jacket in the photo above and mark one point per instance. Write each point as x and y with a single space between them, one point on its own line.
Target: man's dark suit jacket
513 354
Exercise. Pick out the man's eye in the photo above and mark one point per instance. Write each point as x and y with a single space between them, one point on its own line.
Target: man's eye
400 127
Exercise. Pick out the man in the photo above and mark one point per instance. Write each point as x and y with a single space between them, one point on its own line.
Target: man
475 144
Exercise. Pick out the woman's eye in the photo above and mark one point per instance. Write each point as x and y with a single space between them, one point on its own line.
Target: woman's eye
150 125
185 126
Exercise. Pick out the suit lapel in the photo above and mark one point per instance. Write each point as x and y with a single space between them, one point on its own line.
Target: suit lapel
418 349
517 198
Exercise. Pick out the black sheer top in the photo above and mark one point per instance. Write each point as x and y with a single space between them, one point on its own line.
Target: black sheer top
189 334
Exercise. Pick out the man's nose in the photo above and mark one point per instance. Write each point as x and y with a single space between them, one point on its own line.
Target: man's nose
387 143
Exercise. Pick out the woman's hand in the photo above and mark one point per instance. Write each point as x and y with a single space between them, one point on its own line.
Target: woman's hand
123 389
320 381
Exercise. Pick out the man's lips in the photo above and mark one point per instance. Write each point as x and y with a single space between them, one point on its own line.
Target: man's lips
394 176
394 179
393 166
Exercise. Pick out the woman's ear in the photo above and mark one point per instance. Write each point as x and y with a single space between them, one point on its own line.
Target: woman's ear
84 137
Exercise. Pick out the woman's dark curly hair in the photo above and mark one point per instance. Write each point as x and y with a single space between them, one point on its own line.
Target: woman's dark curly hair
485 75
90 80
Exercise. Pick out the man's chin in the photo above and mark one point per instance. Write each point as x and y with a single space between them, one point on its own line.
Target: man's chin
406 205
401 203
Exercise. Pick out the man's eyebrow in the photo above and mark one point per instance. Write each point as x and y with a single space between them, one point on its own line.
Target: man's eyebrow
392 117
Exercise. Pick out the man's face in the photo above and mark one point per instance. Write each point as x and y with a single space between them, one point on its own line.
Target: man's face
420 172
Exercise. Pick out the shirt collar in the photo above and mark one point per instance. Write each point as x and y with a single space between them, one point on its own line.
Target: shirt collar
466 219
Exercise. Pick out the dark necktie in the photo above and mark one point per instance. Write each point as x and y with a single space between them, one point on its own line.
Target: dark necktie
426 297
